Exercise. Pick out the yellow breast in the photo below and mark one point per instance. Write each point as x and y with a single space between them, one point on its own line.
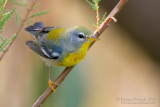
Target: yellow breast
76 57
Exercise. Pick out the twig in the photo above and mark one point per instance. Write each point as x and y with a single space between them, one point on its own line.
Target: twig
19 29
4 5
66 71
97 15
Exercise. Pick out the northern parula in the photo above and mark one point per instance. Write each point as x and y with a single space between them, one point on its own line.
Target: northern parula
60 46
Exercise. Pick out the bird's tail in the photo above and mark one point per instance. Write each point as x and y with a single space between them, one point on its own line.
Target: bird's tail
35 29
38 29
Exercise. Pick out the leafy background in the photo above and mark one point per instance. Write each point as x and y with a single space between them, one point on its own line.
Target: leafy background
124 63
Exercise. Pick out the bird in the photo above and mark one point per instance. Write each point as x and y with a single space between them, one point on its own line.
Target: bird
59 46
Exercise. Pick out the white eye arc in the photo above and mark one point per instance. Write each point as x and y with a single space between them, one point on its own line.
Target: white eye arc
81 36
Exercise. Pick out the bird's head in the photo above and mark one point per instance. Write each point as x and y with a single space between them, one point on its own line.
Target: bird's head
79 35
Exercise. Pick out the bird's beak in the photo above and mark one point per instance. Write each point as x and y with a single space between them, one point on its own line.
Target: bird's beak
93 38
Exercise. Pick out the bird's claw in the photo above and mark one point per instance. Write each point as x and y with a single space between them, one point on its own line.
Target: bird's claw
51 85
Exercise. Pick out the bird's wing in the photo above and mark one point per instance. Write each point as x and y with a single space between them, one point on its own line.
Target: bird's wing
46 48
36 48
50 49
51 44
42 50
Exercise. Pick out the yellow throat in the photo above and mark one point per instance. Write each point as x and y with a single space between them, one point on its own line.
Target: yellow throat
76 57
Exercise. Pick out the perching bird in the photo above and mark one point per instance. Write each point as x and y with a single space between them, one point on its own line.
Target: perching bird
60 46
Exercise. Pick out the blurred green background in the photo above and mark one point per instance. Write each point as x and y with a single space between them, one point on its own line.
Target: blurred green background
123 64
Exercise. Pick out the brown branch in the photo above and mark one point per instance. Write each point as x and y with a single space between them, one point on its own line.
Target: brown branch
66 71
19 29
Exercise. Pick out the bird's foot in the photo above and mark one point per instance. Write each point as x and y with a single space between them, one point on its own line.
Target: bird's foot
51 85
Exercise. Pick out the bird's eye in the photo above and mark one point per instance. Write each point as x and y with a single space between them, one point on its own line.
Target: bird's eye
81 36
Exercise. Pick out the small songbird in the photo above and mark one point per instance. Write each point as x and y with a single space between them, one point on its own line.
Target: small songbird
60 46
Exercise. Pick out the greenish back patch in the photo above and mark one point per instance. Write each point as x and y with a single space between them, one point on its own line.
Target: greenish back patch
55 34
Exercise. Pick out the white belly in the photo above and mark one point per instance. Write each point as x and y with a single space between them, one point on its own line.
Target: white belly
50 61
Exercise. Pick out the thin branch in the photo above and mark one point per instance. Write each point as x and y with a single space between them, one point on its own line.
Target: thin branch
67 70
4 5
97 12
19 29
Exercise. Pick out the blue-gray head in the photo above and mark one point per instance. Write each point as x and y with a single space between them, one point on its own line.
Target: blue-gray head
79 35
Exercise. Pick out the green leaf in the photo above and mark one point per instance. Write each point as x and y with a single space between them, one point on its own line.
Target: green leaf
96 1
1 38
2 45
92 5
2 2
37 5
10 40
17 18
24 1
20 17
6 16
18 3
2 8
103 18
39 14
28 22
92 23
6 42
